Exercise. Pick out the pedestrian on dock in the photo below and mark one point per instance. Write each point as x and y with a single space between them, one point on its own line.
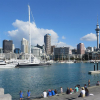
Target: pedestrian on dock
71 91
86 92
82 93
68 91
44 94
55 91
28 94
61 90
21 95
49 93
85 86
76 89
88 83
97 84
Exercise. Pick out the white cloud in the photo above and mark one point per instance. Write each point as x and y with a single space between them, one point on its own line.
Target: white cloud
37 34
89 37
63 37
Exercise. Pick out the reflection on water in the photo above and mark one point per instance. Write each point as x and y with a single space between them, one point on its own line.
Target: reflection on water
51 77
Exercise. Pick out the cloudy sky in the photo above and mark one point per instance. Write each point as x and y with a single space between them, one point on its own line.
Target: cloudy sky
68 21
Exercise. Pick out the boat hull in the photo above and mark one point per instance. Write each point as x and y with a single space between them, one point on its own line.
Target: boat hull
31 65
7 66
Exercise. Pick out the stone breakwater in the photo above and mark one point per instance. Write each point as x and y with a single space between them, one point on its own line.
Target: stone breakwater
95 90
4 96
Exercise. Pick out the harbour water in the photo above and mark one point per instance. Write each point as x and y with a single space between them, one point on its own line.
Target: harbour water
48 77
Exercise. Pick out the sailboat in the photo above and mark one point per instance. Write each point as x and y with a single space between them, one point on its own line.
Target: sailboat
29 62
69 60
33 61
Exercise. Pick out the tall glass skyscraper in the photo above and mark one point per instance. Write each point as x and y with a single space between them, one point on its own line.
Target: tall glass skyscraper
7 46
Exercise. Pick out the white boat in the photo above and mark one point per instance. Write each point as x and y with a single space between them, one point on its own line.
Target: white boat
5 65
92 61
70 62
62 62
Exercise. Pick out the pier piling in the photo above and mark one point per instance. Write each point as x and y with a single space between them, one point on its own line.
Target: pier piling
97 65
94 67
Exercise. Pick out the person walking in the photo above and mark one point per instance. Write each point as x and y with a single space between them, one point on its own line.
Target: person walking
28 94
21 95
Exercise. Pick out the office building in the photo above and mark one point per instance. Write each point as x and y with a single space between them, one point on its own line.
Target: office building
89 49
60 52
17 51
36 51
1 50
7 46
47 42
24 46
95 49
13 47
80 48
52 49
74 51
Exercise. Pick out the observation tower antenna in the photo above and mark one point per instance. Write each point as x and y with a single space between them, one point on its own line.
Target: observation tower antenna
97 33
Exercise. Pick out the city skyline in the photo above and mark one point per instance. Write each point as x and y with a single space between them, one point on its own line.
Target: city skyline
69 22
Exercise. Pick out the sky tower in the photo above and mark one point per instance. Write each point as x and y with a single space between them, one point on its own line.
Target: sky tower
97 33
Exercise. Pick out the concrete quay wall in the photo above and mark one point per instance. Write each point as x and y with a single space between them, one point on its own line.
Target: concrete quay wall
4 96
94 90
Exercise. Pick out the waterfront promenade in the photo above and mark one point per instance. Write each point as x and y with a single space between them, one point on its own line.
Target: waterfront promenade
92 90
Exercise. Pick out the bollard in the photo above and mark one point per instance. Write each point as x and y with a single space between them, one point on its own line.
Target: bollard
97 65
94 67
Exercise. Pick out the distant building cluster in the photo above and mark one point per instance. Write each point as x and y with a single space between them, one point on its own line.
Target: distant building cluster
52 51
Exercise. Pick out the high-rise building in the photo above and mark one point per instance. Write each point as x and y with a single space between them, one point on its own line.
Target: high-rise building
13 47
47 41
7 46
80 48
1 50
94 48
24 45
52 49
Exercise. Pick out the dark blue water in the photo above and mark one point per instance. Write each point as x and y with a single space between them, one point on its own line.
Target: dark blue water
50 77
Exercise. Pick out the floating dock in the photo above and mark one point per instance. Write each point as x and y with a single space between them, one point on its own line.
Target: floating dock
94 72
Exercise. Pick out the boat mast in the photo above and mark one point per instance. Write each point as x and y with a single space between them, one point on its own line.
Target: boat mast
29 34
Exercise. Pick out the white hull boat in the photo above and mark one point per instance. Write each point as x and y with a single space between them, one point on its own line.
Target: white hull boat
7 66
69 62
